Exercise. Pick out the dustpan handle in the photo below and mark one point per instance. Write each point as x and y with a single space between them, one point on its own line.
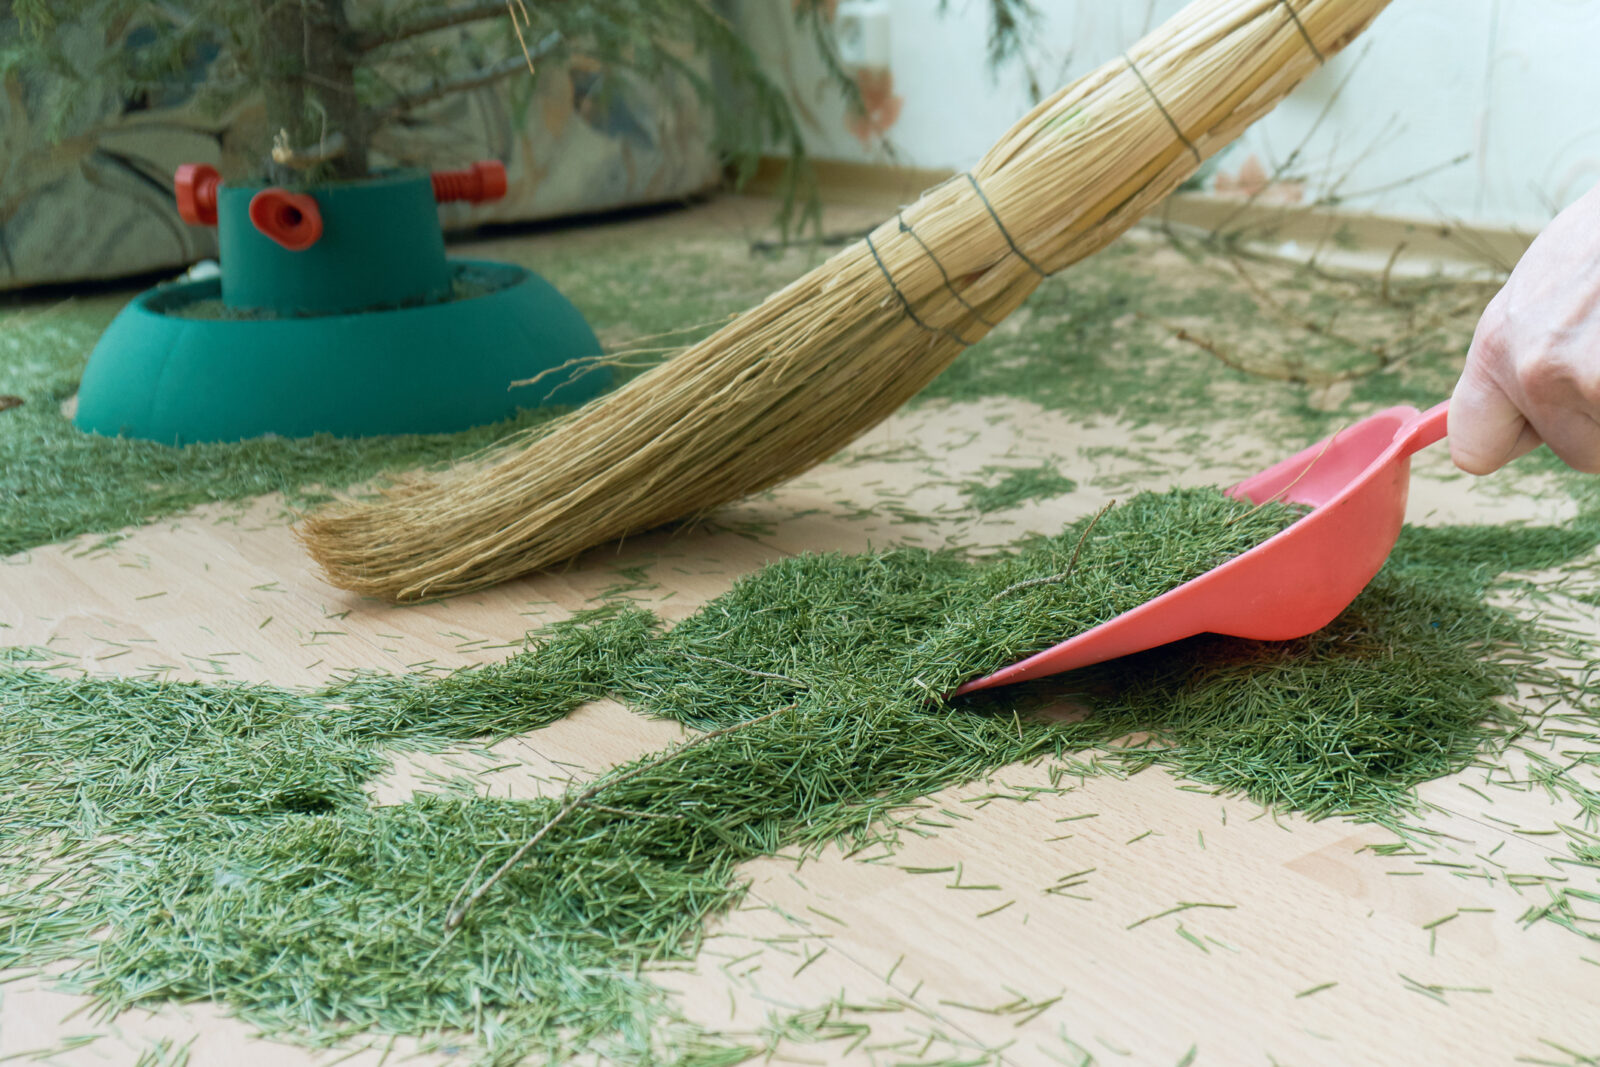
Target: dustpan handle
1425 429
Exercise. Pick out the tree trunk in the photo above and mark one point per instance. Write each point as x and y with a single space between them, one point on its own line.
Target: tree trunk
308 67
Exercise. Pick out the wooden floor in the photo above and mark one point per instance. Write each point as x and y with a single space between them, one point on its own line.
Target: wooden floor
1200 930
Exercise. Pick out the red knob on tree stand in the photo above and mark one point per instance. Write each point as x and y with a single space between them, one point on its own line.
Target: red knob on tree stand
291 219
194 186
484 180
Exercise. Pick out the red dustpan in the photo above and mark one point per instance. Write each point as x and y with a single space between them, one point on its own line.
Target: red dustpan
1293 583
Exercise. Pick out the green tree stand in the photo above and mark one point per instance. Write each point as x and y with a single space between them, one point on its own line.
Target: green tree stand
336 312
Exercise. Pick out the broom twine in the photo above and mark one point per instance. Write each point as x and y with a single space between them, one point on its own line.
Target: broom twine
833 353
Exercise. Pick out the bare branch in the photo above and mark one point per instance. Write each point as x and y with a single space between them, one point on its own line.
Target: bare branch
1071 563
442 19
287 155
465 900
441 87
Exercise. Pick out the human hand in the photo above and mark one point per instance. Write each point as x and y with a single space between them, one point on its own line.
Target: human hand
1533 371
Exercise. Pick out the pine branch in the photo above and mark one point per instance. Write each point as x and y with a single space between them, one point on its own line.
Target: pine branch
442 87
441 19
465 899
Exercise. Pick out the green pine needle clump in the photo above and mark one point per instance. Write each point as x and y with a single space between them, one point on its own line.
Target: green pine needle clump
1058 587
204 841
1016 486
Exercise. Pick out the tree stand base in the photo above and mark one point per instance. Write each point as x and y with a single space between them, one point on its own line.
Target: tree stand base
178 366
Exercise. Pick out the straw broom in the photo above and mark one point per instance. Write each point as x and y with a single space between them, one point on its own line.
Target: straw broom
798 377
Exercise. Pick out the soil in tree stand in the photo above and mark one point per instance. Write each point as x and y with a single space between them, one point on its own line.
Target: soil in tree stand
336 312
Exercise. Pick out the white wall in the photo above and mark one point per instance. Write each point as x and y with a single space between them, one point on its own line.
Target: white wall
1513 86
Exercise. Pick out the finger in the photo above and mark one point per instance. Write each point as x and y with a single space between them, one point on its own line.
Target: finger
1573 434
1486 429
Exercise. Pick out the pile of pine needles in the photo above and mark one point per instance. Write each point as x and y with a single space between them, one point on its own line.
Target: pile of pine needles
189 841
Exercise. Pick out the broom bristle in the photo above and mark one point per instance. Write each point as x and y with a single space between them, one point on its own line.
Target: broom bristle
798 377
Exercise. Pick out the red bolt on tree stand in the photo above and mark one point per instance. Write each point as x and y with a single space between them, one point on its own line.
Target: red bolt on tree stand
484 180
195 186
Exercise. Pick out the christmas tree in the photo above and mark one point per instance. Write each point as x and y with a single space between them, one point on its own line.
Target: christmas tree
333 73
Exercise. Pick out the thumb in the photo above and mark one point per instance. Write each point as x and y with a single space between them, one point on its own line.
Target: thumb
1486 429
